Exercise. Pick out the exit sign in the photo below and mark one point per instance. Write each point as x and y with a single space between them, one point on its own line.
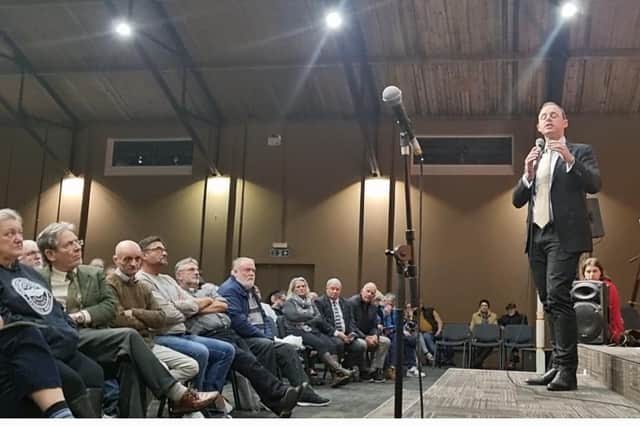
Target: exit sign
279 252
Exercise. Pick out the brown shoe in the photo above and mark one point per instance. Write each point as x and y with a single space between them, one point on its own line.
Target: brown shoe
193 401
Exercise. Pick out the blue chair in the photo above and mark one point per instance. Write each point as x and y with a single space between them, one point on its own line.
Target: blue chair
454 336
515 336
485 336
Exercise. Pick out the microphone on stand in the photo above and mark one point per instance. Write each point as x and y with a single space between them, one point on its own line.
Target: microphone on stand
392 96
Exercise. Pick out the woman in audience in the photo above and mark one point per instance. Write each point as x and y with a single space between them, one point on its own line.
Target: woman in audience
25 301
591 269
302 318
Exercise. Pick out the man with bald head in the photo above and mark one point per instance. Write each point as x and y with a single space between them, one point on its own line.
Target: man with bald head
31 255
365 315
136 308
338 315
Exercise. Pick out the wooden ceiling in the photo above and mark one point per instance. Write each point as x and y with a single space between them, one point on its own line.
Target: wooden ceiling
274 59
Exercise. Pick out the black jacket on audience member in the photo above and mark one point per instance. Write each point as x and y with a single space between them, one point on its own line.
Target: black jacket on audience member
324 306
365 316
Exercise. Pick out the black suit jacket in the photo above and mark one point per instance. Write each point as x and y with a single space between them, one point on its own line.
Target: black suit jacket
568 198
324 306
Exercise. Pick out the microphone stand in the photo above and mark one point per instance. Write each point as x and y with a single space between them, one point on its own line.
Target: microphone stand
406 270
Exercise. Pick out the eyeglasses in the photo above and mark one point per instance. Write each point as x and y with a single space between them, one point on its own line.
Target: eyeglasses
70 244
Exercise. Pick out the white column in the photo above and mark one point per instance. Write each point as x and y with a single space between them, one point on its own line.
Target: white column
540 361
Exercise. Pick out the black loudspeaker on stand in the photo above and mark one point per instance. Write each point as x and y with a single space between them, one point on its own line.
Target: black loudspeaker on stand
591 303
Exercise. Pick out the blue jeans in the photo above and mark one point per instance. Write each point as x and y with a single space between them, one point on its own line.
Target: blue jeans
214 358
430 341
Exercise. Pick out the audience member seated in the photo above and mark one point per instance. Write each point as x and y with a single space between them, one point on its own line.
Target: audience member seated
389 316
35 328
592 269
302 318
338 315
368 327
512 317
214 356
218 325
121 351
277 299
31 255
241 303
97 263
136 308
430 325
482 316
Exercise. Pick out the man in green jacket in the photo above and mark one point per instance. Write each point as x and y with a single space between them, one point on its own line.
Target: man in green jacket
91 304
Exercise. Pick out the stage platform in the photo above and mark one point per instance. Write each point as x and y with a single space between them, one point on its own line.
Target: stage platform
467 393
616 368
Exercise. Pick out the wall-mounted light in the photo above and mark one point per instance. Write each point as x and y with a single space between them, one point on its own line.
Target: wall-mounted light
218 184
376 187
72 186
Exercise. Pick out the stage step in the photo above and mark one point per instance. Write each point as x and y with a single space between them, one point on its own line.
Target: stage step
468 393
615 367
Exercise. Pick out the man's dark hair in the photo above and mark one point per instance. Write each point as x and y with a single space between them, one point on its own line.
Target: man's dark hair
147 241
484 301
275 295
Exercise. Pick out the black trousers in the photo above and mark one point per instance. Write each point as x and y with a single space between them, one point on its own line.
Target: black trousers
267 385
27 365
554 270
317 340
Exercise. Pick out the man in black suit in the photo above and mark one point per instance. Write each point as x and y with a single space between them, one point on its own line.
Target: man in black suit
555 183
336 312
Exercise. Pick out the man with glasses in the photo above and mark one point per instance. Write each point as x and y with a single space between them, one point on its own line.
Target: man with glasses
557 176
122 352
180 306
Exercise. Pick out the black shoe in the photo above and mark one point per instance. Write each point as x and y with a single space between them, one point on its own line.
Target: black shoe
378 376
310 398
543 380
366 375
565 380
287 403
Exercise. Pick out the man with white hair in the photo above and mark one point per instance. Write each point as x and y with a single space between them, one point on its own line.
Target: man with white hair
91 305
187 275
338 315
31 255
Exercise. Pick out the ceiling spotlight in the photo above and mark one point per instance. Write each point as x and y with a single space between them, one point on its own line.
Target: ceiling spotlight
123 29
333 20
568 10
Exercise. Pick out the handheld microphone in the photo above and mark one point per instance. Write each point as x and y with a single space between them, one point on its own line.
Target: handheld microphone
392 96
540 144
